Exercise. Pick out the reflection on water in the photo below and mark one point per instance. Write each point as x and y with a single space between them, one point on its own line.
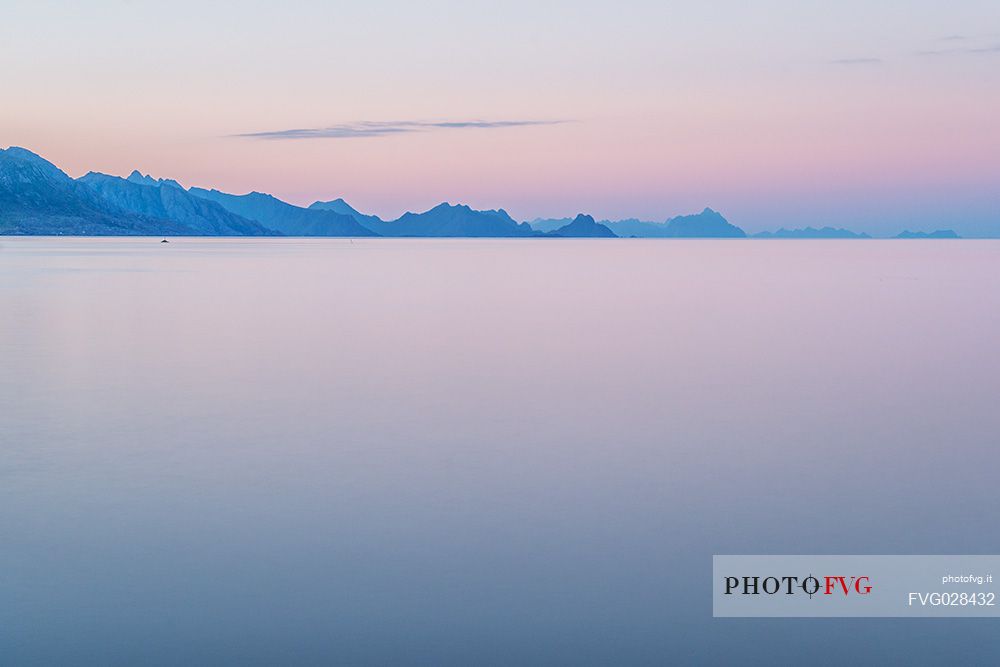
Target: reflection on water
481 452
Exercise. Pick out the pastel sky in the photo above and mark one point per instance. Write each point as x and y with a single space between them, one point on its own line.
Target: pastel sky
873 115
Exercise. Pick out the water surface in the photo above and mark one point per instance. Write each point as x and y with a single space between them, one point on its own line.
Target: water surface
481 451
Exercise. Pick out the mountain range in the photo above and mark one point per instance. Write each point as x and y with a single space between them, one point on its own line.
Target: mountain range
341 206
938 234
811 233
707 224
285 218
164 201
453 220
584 226
36 197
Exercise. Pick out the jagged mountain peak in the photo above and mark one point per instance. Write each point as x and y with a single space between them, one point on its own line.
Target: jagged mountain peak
145 179
23 154
584 226
36 161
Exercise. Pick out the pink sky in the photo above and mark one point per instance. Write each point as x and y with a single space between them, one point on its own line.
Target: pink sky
776 115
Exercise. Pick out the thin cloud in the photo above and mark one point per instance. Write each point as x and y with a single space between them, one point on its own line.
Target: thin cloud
856 61
388 128
959 45
975 50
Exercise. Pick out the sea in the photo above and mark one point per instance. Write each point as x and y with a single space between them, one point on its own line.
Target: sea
482 452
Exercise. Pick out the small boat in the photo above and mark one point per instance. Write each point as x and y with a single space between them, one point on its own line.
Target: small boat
164 241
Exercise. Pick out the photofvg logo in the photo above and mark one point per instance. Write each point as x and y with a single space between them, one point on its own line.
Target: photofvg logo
830 586
789 585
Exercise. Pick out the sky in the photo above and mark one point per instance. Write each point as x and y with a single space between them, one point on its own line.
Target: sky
874 115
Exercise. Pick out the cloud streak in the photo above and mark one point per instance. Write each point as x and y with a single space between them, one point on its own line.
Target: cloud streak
980 45
979 50
389 128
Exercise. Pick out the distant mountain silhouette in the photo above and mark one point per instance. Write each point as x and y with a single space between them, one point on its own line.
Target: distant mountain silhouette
36 197
342 207
551 224
288 219
584 226
707 224
166 202
939 234
624 228
459 220
137 177
811 233
638 228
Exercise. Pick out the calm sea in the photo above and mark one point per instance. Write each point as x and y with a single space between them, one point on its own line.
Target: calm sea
476 452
